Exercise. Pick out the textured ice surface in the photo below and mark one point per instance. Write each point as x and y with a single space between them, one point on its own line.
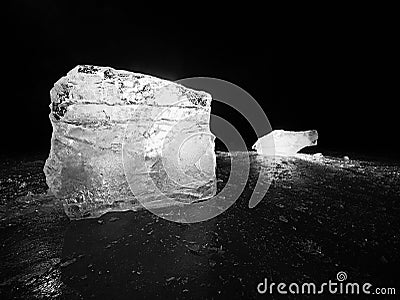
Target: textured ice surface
107 123
285 143
320 215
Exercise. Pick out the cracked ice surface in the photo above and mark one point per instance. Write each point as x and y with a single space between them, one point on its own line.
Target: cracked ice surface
104 120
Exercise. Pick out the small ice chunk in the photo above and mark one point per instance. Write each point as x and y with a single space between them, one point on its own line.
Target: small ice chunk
285 143
318 155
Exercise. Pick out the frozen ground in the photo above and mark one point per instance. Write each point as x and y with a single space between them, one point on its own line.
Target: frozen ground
319 217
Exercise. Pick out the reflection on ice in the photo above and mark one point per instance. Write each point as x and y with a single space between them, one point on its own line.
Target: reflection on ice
321 213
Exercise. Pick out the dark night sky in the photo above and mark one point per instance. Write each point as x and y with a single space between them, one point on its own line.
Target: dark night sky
306 75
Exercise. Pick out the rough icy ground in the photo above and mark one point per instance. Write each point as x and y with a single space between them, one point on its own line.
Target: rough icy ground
319 217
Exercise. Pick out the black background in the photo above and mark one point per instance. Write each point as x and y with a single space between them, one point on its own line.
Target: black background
332 73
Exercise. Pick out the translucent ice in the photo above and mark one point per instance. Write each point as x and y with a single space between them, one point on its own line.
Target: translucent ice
285 143
116 134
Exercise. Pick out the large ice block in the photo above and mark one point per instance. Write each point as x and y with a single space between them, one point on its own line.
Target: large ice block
162 128
285 143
